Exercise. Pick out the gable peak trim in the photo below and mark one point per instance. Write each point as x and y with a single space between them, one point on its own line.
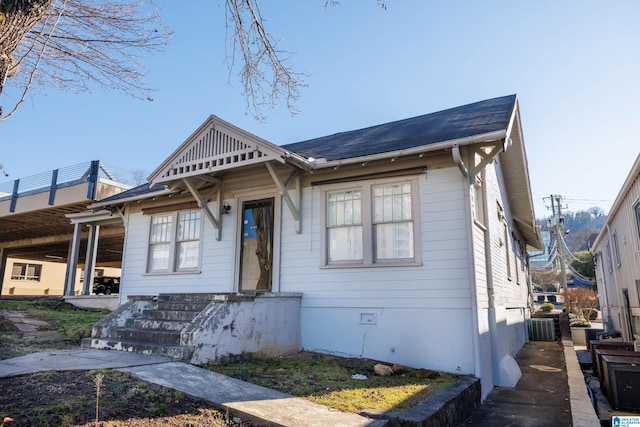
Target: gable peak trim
215 146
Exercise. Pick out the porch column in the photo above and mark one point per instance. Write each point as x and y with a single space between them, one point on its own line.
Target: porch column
4 253
72 261
90 258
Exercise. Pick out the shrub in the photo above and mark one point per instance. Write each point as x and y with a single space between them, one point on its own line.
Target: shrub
547 306
580 323
581 301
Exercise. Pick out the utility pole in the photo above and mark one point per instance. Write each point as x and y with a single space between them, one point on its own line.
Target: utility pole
559 230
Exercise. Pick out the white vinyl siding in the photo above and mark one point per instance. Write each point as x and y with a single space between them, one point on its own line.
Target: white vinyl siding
215 273
618 262
434 289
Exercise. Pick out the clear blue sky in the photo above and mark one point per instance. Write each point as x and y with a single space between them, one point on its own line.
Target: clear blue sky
574 64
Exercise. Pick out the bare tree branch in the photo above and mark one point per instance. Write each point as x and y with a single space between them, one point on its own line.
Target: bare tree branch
100 43
92 42
33 71
266 79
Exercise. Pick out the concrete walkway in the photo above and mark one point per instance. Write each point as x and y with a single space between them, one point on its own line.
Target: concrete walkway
551 392
248 401
541 397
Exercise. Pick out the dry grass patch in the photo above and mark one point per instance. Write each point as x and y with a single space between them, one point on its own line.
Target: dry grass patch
328 380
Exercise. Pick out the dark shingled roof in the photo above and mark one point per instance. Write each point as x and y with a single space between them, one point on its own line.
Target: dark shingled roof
459 122
139 191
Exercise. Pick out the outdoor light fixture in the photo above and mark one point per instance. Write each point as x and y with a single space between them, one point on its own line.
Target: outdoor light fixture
226 208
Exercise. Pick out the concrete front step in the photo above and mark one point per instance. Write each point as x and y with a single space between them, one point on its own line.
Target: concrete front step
165 325
192 297
158 336
178 352
182 305
154 324
171 315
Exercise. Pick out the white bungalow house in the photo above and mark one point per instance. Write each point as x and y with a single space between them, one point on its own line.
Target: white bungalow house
617 253
404 242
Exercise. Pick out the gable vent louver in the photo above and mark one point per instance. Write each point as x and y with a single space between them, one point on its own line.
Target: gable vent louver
213 150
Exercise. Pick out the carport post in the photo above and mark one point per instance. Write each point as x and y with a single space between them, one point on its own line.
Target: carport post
72 261
3 265
90 258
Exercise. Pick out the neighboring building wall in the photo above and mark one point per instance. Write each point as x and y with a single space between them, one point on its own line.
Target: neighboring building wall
618 260
49 281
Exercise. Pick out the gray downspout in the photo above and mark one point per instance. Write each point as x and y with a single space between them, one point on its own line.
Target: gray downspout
493 330
457 158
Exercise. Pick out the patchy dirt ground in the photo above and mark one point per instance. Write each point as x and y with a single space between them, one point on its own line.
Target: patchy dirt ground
71 398
110 398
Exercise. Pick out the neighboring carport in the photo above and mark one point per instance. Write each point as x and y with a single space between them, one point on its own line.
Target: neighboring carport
34 223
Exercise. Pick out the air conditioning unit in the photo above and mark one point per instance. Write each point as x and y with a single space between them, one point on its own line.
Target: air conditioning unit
609 344
622 381
597 362
542 330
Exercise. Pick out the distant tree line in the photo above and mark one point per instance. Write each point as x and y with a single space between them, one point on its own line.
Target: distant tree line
579 226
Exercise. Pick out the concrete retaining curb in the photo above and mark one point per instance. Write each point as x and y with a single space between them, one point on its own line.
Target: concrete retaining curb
582 411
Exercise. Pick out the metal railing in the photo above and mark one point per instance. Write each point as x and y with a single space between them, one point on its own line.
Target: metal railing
91 172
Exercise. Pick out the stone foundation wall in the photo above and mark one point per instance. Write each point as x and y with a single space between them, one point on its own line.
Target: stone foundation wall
448 407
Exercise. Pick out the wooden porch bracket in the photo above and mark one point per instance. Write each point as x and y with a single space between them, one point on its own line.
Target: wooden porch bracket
203 200
486 157
285 191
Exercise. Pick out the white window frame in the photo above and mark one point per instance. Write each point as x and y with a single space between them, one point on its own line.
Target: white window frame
636 208
479 216
24 266
368 223
174 242
616 249
507 250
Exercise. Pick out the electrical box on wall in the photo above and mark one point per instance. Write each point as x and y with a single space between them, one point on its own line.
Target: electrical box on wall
367 318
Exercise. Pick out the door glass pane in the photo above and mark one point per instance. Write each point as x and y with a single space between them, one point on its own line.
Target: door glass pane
256 258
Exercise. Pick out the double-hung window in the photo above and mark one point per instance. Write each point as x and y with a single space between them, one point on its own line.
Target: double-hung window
27 272
371 223
174 242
